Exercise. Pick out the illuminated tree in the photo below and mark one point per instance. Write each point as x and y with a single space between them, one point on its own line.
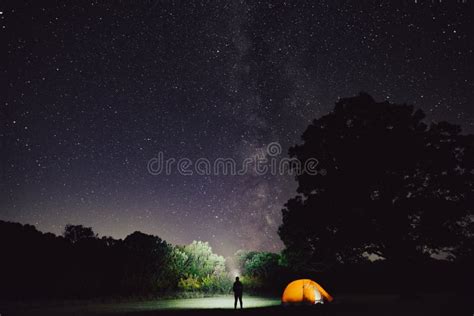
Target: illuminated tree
203 270
258 264
201 261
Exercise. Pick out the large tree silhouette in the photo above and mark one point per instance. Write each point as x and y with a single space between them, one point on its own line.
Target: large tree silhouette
393 187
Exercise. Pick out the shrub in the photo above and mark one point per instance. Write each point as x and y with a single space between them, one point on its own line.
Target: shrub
189 284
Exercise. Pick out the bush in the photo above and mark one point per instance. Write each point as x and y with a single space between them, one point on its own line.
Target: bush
217 283
189 284
208 284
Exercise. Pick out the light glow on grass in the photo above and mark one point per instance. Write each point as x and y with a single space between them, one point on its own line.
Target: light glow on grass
217 302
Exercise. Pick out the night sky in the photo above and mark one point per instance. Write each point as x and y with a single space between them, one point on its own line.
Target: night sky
92 90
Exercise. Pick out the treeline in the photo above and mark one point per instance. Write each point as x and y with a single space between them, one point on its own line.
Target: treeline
79 264
270 272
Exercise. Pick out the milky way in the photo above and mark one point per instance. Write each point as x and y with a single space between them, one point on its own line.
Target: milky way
95 89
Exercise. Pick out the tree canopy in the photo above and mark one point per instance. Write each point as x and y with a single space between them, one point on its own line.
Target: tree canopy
394 187
75 233
201 261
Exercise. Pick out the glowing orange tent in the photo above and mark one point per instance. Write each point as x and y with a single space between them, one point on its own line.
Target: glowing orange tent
305 291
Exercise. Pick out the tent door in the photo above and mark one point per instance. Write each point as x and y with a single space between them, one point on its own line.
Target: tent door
317 297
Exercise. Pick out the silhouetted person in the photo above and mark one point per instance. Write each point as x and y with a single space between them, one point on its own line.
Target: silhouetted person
238 289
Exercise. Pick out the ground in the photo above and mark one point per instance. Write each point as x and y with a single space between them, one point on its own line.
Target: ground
432 305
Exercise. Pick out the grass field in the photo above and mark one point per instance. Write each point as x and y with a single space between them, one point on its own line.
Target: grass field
86 308
389 305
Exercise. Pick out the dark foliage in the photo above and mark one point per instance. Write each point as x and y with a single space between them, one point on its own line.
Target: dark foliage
81 265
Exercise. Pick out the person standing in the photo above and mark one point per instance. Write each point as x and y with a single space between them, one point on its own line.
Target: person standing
238 289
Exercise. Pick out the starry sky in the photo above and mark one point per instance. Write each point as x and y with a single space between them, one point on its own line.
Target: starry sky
92 90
